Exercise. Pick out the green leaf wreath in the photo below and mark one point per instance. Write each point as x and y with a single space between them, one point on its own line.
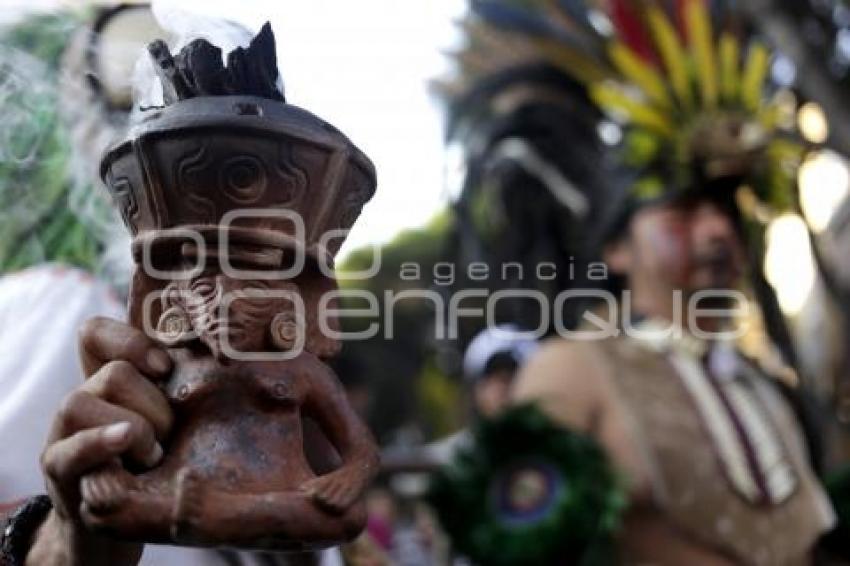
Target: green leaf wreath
529 492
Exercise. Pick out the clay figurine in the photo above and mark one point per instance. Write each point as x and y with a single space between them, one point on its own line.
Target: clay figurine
228 191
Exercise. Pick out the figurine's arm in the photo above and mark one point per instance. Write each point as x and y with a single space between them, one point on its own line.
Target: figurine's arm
327 403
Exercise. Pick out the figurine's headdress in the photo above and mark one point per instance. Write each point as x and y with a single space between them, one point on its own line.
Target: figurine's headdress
225 156
226 140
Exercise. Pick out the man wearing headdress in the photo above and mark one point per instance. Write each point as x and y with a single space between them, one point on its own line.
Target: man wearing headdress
717 463
715 460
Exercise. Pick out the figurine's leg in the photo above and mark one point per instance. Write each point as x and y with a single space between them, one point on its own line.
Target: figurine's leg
121 504
209 516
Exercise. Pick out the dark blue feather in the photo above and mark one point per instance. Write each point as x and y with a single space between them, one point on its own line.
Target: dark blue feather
725 12
577 10
514 18
500 14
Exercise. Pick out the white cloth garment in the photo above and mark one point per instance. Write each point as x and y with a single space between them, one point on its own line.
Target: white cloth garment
41 311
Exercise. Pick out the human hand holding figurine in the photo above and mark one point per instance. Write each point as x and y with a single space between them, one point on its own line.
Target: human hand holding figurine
118 412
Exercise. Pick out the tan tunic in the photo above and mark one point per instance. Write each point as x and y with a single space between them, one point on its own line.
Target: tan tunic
702 478
723 462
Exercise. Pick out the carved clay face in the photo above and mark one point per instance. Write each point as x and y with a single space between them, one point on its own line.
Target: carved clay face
227 314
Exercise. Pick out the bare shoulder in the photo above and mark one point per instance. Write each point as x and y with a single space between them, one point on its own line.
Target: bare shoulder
566 380
558 365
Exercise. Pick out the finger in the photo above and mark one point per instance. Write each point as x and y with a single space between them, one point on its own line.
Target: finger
333 504
87 489
81 410
348 497
309 487
332 491
98 483
321 493
65 461
121 384
103 340
95 494
103 490
330 502
343 498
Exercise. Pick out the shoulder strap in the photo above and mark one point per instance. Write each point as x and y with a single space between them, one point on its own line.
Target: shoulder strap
804 406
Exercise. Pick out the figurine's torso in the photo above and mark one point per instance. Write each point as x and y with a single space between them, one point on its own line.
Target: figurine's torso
238 424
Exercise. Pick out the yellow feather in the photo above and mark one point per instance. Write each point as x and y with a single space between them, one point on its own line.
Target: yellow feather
730 57
671 52
616 102
702 49
639 72
755 73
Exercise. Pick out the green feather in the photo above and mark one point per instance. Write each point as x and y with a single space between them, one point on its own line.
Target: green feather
641 147
648 188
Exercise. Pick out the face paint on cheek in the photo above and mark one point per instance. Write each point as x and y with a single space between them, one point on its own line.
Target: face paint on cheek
667 243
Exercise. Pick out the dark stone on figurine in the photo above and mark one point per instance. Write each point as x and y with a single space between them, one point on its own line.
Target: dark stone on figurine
248 349
198 70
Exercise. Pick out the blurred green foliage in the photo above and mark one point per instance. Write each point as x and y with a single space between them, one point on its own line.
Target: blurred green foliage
37 221
440 399
406 383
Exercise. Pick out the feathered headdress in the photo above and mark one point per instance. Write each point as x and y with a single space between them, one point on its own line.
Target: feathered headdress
660 97
686 81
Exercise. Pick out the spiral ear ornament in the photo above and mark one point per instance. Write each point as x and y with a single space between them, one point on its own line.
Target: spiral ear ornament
173 327
285 330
